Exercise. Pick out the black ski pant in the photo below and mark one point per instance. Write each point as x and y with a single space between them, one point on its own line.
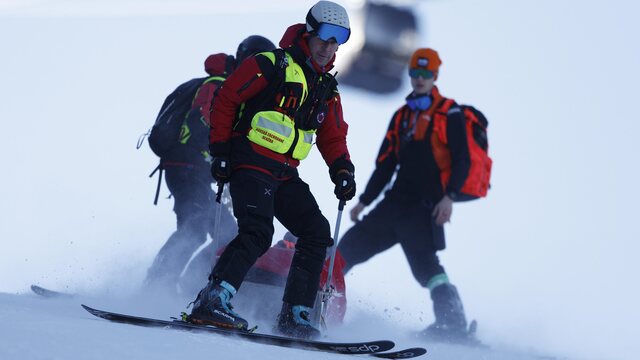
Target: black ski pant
257 199
195 206
396 221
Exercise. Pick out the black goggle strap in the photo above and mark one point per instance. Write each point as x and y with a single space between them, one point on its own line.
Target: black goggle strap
312 21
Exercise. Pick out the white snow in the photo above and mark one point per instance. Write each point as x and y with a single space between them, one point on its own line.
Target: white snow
546 264
44 328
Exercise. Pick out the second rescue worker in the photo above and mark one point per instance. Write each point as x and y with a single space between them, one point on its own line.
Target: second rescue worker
265 119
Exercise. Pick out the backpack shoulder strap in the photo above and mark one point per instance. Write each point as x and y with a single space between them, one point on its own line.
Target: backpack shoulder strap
476 115
279 60
400 115
444 106
281 63
277 77
439 123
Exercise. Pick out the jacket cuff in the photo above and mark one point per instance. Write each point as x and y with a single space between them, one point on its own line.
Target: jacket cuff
340 163
365 200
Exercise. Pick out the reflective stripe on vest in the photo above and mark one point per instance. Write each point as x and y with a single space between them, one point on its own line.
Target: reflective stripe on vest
304 145
273 130
277 131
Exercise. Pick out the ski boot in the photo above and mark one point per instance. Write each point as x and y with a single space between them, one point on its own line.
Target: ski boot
451 324
294 321
212 307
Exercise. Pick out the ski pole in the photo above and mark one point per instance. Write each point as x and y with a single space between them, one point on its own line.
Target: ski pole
216 231
327 291
159 168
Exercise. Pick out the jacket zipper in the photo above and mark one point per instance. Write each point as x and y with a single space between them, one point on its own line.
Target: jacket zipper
248 83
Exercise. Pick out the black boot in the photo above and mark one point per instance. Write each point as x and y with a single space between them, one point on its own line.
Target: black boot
450 324
293 321
212 307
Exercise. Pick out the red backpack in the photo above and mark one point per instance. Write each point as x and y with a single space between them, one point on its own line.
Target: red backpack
478 181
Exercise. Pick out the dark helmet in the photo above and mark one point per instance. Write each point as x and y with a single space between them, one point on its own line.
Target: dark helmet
252 45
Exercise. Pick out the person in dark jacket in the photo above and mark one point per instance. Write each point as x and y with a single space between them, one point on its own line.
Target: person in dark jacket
265 119
188 177
418 204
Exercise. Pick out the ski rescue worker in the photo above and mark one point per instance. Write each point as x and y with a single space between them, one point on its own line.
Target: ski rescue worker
188 177
417 206
264 121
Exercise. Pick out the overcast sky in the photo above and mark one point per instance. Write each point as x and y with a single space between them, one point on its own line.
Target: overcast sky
552 249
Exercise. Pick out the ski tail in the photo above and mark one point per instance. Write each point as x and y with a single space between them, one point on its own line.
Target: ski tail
49 293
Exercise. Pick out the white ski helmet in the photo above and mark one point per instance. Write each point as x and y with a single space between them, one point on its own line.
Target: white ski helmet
328 20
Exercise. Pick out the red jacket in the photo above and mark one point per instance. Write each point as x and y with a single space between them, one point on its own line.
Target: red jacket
247 82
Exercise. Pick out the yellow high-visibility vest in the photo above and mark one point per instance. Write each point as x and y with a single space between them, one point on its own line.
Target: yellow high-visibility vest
277 131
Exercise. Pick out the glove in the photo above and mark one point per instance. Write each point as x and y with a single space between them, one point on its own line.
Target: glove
221 169
345 185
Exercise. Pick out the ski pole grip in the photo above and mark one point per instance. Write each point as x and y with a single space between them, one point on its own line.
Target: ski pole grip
341 205
219 193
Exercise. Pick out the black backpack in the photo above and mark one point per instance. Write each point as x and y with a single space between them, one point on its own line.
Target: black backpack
165 133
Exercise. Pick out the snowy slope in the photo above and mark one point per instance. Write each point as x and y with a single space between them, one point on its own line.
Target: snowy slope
33 327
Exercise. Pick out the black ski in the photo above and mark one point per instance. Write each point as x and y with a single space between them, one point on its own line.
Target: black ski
49 293
355 348
402 354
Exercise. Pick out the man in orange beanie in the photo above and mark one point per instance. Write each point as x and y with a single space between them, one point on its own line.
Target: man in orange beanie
419 203
425 62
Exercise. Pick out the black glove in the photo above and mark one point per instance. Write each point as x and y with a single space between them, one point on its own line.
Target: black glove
345 185
221 169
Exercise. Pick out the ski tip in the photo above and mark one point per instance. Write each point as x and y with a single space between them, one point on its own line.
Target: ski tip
402 354
91 310
97 313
